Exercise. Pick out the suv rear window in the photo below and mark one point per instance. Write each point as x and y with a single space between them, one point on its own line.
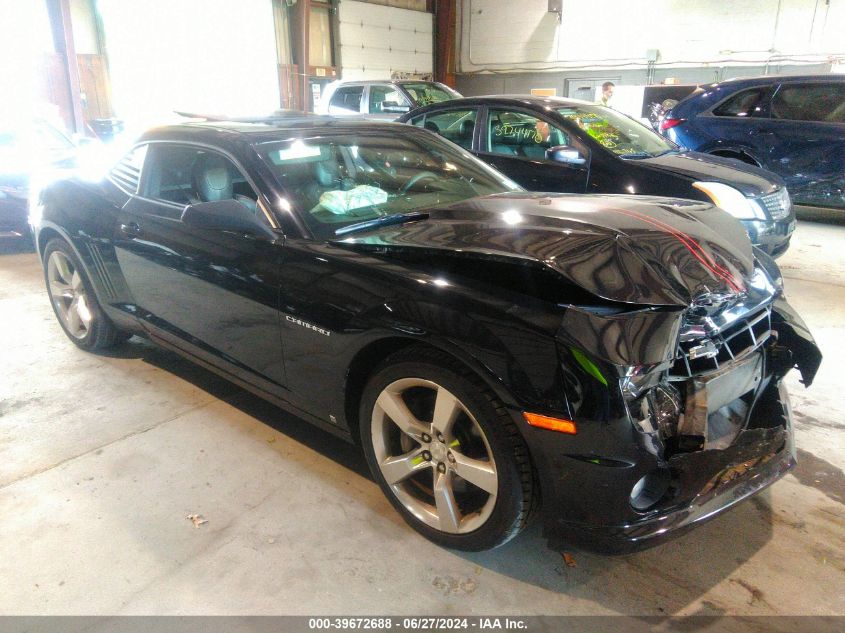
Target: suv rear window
746 103
823 102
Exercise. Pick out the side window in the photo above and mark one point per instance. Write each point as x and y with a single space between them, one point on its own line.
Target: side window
746 103
188 175
521 134
810 102
346 100
387 99
127 173
456 125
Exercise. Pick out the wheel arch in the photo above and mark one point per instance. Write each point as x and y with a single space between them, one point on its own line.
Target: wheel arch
740 153
48 233
368 358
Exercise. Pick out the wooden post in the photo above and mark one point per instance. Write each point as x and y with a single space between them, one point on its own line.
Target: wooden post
444 41
59 13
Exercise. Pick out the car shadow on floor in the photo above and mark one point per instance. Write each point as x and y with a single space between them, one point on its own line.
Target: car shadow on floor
344 453
659 581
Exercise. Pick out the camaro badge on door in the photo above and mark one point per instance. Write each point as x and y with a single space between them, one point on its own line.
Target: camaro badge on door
305 324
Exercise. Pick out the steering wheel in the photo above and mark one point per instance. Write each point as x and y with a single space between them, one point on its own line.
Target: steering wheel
423 175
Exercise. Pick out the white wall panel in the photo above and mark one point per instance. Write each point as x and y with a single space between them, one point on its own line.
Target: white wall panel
376 40
508 35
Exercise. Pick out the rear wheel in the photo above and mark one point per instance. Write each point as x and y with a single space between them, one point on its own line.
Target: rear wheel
445 451
74 301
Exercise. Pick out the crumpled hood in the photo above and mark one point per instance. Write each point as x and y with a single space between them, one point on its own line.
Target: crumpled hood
632 249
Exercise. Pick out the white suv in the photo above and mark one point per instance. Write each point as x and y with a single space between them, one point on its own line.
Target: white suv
381 99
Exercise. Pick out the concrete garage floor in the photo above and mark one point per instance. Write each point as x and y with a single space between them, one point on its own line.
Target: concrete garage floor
102 458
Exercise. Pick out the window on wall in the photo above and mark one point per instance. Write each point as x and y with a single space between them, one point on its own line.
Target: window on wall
281 22
320 37
810 102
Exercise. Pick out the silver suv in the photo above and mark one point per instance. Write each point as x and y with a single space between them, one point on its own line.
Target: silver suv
385 100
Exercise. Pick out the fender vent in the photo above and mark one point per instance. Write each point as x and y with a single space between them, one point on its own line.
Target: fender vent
99 267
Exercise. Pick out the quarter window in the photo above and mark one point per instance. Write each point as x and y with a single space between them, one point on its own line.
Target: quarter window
810 102
346 99
747 103
127 173
519 134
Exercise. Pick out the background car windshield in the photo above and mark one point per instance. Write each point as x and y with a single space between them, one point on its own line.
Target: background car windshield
426 93
621 135
338 181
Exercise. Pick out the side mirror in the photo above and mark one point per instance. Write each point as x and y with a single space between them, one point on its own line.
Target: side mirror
565 154
225 215
394 107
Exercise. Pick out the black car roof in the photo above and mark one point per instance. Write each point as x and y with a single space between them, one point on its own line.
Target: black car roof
258 131
773 79
512 100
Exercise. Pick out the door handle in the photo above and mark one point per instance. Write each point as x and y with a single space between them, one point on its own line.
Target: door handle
130 229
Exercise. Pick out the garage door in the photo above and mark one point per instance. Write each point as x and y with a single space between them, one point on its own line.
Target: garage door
377 41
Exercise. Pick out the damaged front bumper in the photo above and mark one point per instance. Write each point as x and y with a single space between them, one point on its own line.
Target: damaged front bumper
707 482
621 484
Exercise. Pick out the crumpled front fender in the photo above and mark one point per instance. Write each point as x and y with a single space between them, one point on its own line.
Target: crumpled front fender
794 336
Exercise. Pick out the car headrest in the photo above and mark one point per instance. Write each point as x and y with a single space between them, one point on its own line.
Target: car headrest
431 125
467 128
327 173
211 178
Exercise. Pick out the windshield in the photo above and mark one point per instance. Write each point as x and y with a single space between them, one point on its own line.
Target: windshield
618 133
336 181
424 93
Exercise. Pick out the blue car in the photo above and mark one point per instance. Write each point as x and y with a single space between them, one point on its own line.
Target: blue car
793 126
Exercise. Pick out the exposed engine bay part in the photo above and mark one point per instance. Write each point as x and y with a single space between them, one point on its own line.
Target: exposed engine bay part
712 396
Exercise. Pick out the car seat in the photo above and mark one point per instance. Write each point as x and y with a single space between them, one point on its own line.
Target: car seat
211 179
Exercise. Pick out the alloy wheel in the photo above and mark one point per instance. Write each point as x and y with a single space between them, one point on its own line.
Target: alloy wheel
68 294
434 455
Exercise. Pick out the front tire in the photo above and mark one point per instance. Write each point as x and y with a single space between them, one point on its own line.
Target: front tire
74 301
445 451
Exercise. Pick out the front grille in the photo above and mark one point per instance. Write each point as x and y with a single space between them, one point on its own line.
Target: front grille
777 204
732 342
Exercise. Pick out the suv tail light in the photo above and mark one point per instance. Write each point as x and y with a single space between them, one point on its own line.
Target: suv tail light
666 124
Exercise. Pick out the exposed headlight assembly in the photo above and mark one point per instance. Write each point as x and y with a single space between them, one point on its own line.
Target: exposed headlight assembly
731 200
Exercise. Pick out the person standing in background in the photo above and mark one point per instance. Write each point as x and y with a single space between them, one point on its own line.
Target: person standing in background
607 93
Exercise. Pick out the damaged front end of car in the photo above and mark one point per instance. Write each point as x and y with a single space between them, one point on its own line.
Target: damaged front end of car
675 432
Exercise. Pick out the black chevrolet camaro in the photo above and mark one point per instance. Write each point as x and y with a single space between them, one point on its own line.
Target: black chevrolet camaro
611 363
